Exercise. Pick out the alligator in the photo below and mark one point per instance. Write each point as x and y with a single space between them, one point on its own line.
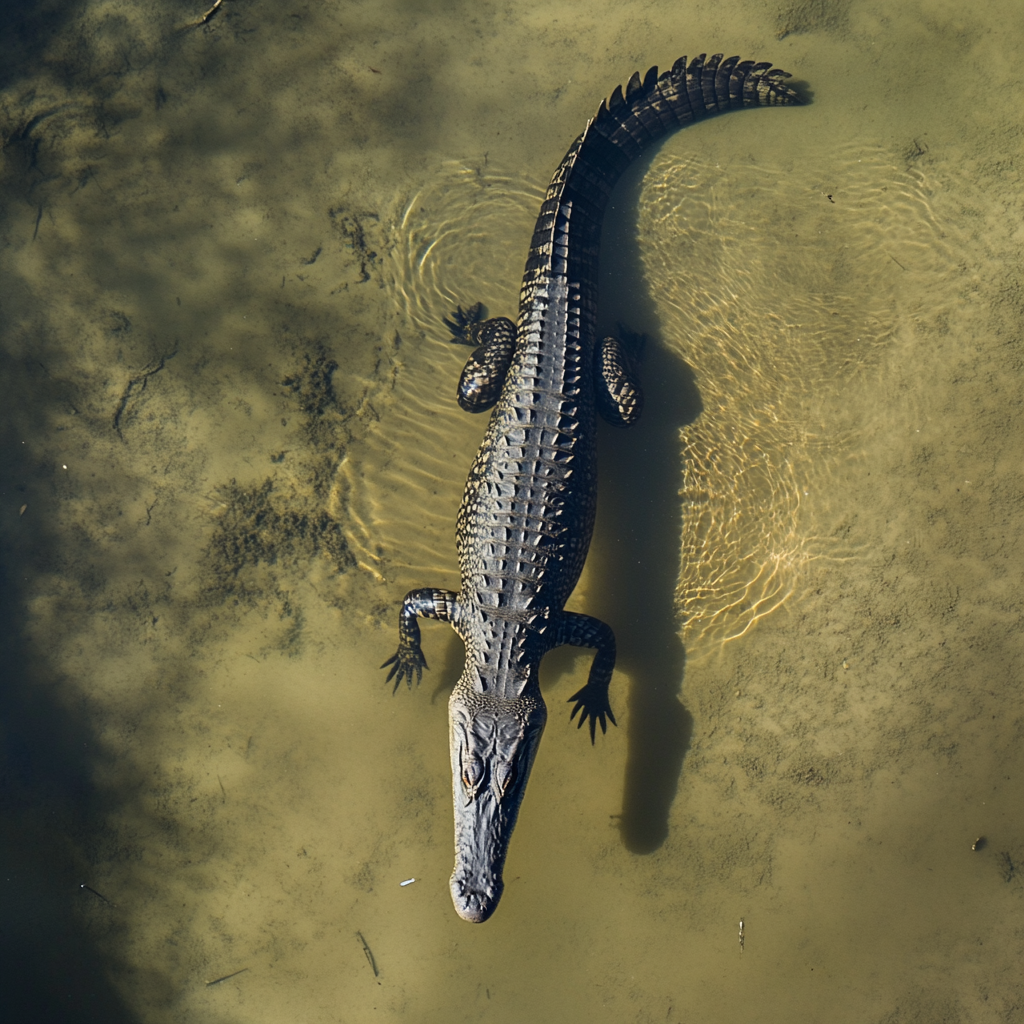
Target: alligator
527 515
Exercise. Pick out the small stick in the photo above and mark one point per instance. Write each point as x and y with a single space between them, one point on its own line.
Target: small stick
227 977
741 935
89 888
195 24
369 954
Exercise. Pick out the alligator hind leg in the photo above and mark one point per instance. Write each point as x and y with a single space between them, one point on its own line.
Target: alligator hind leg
431 604
585 631
484 374
620 399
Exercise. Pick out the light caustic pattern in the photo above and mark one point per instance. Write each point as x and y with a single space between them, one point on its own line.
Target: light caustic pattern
461 239
779 298
776 296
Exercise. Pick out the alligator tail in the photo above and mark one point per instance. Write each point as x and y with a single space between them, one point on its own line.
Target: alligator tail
628 123
625 125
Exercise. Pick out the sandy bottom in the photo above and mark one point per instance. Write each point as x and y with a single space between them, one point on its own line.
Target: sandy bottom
230 446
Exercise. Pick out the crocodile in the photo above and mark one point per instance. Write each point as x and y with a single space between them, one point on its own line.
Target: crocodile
527 515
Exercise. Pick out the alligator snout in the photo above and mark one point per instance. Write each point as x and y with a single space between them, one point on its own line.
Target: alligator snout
475 900
493 743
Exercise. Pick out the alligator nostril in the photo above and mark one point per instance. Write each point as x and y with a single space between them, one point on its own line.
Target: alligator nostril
475 903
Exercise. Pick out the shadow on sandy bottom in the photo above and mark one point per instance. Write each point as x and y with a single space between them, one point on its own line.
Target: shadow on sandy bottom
638 553
29 26
637 542
53 969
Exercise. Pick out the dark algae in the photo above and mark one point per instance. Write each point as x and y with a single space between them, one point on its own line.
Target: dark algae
267 528
258 527
313 387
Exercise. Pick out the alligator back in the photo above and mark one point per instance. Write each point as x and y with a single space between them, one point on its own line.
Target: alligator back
527 516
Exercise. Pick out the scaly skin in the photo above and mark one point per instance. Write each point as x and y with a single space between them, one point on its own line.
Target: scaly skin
527 516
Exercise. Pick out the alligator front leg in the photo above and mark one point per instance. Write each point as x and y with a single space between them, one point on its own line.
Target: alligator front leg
431 604
484 373
585 631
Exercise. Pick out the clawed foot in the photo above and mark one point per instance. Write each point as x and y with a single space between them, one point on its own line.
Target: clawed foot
464 322
406 660
593 702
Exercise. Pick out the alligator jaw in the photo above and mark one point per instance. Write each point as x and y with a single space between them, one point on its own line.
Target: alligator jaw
493 744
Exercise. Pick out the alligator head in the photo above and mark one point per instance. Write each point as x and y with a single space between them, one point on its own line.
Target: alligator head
493 744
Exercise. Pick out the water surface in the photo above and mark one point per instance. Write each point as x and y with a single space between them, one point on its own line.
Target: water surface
231 446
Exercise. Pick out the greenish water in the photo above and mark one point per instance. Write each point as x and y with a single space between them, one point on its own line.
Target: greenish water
230 446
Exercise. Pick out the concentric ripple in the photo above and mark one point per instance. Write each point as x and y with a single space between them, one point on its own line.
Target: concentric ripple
461 239
779 289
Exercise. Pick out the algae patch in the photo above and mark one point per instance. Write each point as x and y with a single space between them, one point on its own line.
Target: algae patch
258 527
313 386
267 530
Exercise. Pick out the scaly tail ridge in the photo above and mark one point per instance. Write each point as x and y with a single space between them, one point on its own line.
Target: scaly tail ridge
625 125
658 104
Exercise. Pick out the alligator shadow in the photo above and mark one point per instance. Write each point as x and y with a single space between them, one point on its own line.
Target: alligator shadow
637 540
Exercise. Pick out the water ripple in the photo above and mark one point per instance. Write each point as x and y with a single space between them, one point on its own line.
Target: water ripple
781 290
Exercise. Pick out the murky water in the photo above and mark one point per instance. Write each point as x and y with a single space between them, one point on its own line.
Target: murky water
230 447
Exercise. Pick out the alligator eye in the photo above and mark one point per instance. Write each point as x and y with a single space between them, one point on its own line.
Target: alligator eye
472 774
505 775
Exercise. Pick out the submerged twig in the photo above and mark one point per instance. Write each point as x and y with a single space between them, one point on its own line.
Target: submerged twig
207 16
98 895
369 954
136 385
227 977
